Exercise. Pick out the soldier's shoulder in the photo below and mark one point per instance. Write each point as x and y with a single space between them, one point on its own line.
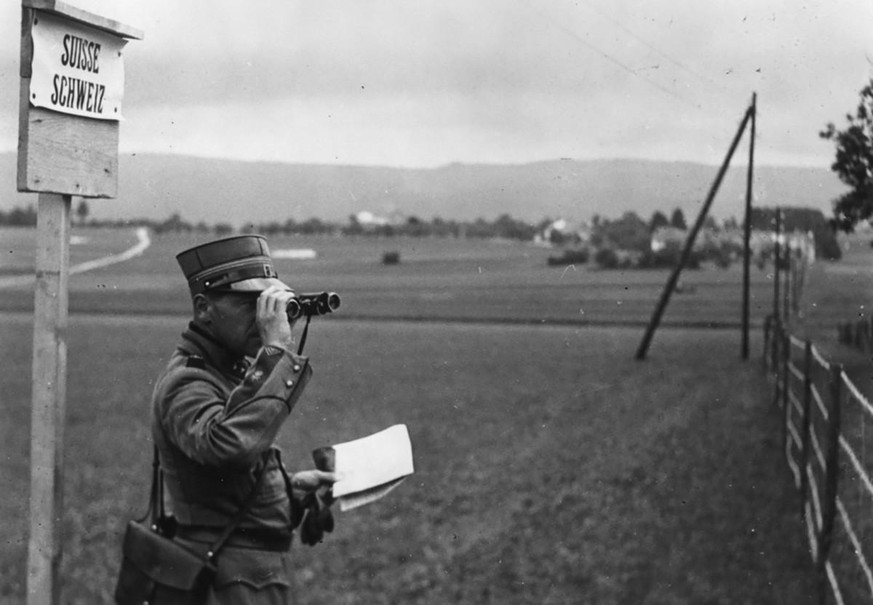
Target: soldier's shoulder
196 362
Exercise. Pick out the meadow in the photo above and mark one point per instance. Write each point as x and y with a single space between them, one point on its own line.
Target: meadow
473 280
551 467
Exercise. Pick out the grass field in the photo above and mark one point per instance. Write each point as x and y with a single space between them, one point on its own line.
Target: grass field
444 279
551 466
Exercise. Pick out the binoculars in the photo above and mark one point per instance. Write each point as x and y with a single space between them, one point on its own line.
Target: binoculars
314 303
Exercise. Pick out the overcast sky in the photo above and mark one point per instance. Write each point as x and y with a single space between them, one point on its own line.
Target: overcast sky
427 82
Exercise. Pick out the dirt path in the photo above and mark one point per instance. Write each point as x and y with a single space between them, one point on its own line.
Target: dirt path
142 244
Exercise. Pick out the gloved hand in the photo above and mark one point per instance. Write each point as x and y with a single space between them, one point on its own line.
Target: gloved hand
317 518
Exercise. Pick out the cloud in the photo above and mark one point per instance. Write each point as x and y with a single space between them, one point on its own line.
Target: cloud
429 82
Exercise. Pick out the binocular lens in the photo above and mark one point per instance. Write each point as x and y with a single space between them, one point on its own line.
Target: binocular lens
319 303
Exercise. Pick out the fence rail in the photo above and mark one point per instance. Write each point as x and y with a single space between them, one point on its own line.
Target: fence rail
830 457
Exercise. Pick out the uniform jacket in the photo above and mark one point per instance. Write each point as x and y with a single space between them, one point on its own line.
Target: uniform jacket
214 420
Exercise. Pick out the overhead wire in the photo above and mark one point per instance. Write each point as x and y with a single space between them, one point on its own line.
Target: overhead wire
649 45
607 56
639 39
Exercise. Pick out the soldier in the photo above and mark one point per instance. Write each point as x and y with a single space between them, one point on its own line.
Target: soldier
217 408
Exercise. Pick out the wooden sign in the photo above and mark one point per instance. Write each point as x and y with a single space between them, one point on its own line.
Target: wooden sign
72 83
75 69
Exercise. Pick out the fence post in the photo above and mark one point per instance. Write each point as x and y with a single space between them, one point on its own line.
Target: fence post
869 327
869 333
799 273
777 338
785 402
786 272
774 358
832 475
805 427
776 268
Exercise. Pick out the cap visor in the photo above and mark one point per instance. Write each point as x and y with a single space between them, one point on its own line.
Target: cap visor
257 284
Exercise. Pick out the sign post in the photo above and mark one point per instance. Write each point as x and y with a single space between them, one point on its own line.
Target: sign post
72 83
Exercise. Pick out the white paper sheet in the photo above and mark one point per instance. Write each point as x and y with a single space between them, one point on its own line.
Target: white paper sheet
372 466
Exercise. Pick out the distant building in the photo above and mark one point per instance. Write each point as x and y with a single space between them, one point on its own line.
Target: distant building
563 231
668 236
665 236
366 219
369 221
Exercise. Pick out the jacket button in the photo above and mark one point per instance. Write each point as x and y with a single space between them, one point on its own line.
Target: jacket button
296 367
289 383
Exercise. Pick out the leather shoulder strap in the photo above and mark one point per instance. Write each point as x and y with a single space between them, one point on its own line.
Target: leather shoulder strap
240 513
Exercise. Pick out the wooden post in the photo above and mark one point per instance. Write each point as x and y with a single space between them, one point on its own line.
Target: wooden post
787 261
747 231
777 338
805 425
832 471
777 360
784 400
66 146
689 243
776 269
49 397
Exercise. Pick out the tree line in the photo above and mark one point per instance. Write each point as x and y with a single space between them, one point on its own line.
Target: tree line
504 226
625 231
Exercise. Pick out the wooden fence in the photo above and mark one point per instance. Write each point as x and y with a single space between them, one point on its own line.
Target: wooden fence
830 456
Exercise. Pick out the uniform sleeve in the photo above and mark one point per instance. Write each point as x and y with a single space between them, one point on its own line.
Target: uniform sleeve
215 429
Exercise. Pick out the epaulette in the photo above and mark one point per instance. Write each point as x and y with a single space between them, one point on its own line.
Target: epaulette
195 361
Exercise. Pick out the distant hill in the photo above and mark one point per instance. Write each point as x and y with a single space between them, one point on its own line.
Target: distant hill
236 192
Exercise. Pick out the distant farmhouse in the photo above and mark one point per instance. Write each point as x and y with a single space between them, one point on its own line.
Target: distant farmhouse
564 232
668 236
371 222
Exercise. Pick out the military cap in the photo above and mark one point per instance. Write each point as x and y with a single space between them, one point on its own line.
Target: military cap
241 264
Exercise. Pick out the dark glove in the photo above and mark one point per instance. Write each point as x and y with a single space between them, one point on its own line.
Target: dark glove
317 518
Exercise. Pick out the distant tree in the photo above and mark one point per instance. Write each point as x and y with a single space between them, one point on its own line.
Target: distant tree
710 223
630 232
444 228
606 258
658 220
174 223
384 230
314 226
354 227
677 219
803 220
478 228
507 227
19 217
416 227
543 224
271 228
557 238
82 211
854 163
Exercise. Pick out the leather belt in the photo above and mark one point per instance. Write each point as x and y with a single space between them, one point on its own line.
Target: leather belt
256 538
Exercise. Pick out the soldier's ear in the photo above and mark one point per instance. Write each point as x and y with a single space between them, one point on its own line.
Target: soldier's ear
201 308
